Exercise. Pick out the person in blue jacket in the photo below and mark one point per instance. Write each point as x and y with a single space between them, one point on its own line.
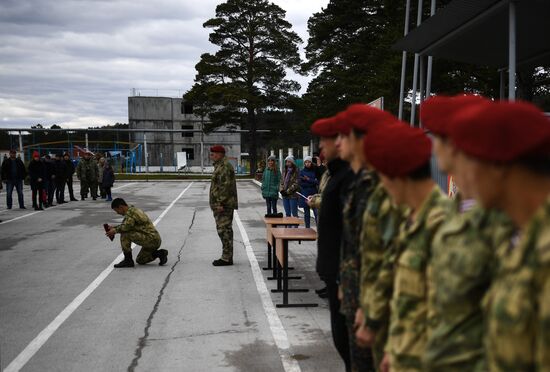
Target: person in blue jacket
309 184
270 185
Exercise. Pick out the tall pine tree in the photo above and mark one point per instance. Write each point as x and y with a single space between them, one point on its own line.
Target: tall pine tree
247 75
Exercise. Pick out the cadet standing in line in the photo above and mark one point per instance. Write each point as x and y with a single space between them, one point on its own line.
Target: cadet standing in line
70 172
355 123
462 254
329 229
401 155
507 148
223 201
136 227
87 172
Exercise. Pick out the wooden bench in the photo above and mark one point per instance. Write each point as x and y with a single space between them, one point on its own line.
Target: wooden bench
282 237
270 224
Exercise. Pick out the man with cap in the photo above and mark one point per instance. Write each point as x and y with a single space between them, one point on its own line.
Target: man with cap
87 172
462 253
354 125
70 171
223 201
37 175
13 174
136 227
505 147
329 228
401 155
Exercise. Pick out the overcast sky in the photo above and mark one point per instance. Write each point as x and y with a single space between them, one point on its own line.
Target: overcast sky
74 62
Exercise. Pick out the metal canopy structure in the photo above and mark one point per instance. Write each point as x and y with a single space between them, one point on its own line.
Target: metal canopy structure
477 32
503 34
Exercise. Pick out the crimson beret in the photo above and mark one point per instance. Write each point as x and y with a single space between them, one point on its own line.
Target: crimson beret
342 125
217 148
364 117
500 132
397 150
325 127
436 112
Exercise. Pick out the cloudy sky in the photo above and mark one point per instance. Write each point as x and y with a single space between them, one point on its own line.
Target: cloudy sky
75 62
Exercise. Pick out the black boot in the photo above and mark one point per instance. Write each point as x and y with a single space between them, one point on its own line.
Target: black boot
162 255
126 262
82 197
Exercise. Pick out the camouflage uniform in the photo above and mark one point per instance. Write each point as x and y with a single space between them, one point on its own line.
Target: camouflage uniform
408 321
462 262
223 193
87 172
137 228
316 199
518 302
359 192
381 222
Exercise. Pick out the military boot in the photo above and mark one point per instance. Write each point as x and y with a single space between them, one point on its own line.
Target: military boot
126 262
162 255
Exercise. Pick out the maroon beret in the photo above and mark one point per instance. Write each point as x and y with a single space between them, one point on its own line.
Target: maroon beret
397 150
436 112
363 117
500 132
217 148
325 127
342 125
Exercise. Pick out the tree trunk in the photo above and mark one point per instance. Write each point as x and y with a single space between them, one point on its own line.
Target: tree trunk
251 119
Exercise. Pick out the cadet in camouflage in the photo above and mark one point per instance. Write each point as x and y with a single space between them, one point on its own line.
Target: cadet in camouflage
136 227
381 222
510 173
87 171
223 201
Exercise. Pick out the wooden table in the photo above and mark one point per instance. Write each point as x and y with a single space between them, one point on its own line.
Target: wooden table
282 236
273 222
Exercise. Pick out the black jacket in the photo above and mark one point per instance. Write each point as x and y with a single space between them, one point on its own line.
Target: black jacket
50 168
37 170
6 171
330 219
70 167
61 171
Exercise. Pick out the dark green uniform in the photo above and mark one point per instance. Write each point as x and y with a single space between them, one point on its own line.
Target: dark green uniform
409 304
137 228
518 302
359 192
462 262
223 193
87 171
381 222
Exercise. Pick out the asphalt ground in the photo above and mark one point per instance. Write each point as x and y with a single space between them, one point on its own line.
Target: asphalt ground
63 307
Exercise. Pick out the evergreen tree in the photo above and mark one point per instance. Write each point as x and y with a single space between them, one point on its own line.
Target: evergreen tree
247 75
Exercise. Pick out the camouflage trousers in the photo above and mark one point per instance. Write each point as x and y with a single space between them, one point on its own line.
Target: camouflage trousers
86 185
224 226
379 344
148 243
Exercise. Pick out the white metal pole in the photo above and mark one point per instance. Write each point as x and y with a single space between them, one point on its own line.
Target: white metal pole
21 146
87 148
404 63
430 61
512 53
415 68
146 153
281 165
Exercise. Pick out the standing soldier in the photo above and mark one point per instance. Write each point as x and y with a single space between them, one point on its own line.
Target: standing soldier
223 201
401 155
329 226
507 148
60 178
70 171
13 174
354 123
136 228
87 172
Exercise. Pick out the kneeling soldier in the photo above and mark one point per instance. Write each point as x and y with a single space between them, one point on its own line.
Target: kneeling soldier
136 228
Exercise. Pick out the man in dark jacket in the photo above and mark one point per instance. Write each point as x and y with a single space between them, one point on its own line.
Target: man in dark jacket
13 174
49 185
60 178
70 171
37 175
330 229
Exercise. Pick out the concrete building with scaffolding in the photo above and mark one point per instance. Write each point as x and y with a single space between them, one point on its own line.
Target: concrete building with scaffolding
168 113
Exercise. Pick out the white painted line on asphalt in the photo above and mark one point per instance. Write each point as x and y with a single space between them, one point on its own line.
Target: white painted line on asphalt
55 206
35 345
277 330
